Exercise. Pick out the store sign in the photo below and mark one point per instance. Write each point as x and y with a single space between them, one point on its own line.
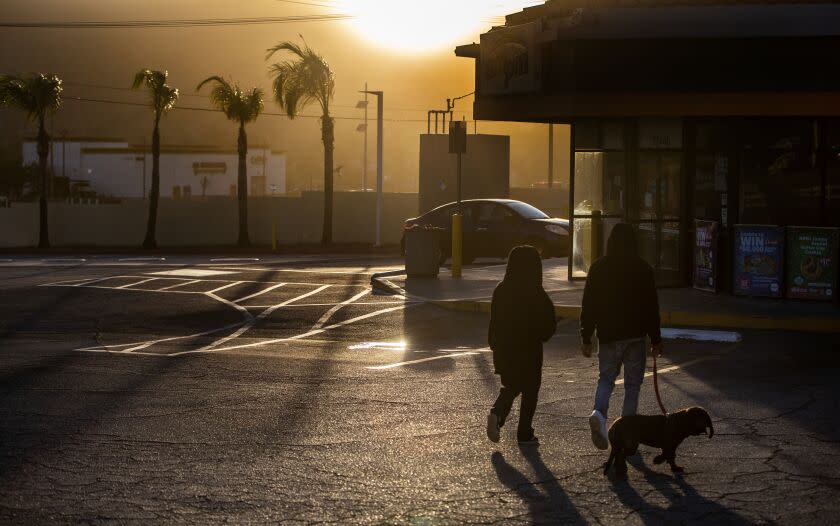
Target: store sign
209 168
812 263
706 255
757 267
660 134
510 60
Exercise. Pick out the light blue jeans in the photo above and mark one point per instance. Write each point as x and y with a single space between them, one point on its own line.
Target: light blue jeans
611 356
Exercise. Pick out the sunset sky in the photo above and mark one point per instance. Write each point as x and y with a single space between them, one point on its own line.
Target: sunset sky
404 48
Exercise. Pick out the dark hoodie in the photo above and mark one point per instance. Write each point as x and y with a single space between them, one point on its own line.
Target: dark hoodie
521 315
619 299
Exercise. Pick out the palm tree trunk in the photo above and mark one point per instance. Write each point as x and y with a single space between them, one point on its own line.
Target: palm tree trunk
43 151
242 188
328 137
154 196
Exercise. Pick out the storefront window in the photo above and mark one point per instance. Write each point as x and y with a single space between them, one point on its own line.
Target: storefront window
780 187
599 182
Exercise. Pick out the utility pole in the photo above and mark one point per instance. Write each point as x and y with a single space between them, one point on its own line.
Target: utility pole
550 156
364 128
364 160
379 144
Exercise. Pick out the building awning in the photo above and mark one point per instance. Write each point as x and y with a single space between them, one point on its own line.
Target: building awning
568 59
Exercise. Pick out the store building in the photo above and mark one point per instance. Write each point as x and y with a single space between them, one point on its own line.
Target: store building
117 169
680 111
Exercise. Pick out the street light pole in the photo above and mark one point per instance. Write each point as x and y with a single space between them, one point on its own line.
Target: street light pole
379 144
365 167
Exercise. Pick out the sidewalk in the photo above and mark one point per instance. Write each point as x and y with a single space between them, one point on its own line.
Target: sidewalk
682 307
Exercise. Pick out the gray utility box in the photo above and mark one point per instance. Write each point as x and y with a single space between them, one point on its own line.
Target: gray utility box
422 252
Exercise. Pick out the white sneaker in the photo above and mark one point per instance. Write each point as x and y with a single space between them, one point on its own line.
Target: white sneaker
493 427
598 427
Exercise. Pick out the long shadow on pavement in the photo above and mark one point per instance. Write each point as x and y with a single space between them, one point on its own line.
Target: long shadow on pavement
686 504
547 501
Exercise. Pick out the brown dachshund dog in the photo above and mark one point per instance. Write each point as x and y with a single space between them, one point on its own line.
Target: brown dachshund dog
664 432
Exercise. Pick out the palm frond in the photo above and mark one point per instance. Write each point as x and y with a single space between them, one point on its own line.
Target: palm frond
162 94
237 104
36 95
299 82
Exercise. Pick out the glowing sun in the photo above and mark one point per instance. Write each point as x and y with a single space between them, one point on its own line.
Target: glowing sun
419 26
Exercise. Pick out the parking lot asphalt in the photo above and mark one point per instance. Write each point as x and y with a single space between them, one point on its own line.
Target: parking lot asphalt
243 391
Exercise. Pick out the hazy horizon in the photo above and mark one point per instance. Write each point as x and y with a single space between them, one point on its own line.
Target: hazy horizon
100 63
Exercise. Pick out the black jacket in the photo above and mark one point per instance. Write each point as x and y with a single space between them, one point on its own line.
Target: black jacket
620 299
521 316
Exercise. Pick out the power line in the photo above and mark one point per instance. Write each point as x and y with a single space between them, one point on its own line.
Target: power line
199 96
213 110
130 24
306 3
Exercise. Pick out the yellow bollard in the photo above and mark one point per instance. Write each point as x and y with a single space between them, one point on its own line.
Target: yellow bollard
274 237
457 245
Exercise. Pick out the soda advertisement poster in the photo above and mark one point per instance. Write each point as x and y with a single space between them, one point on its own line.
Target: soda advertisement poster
812 263
758 263
706 255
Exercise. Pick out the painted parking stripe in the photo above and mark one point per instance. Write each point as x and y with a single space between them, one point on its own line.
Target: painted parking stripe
421 360
223 287
299 305
330 313
252 321
98 280
149 343
137 283
672 368
139 260
260 293
304 335
223 260
182 284
64 260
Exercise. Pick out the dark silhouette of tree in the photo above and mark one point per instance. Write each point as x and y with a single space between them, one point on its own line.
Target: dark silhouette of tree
163 98
37 95
243 107
298 82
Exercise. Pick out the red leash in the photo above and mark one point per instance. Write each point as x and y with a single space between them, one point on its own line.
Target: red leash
656 387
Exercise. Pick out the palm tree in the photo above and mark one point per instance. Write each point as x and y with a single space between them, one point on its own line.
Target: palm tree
164 97
298 82
37 95
240 106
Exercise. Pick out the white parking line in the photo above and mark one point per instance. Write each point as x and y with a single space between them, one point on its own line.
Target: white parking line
672 368
260 293
304 335
229 285
138 283
410 362
252 321
183 284
232 260
330 313
126 260
98 280
64 260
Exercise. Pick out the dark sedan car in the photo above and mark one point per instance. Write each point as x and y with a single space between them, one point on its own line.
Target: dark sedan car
492 227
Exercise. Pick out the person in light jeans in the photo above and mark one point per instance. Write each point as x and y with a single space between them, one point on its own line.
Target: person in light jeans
621 305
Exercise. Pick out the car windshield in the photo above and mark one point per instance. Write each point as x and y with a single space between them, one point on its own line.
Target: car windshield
526 211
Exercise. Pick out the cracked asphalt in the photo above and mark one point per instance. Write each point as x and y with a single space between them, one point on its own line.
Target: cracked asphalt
123 402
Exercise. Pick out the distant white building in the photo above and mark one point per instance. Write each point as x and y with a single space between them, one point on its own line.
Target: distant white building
114 168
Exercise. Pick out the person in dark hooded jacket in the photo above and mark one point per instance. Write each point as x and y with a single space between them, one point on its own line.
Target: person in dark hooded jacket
521 320
620 303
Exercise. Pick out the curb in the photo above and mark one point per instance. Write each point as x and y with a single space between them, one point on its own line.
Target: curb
685 318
